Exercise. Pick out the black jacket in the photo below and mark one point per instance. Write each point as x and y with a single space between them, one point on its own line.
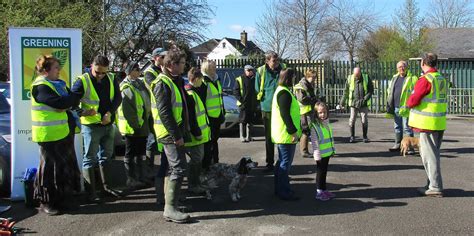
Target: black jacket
193 124
149 77
162 95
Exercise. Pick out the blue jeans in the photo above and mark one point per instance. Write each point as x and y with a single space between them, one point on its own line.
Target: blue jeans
286 153
151 144
98 144
400 124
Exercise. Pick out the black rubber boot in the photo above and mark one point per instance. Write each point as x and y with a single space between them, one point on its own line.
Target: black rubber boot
365 129
89 184
396 146
352 137
105 185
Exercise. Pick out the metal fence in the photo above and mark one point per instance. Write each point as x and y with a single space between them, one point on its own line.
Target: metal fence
332 77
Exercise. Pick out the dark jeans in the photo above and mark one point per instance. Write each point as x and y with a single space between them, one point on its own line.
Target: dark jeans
321 173
211 148
135 146
176 157
286 153
269 146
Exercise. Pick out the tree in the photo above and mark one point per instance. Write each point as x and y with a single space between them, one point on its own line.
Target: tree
408 22
385 44
451 13
306 18
272 32
349 23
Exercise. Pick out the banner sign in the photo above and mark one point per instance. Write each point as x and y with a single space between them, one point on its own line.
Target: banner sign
26 45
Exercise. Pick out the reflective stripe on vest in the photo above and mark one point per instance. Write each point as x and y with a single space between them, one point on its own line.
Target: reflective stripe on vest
430 114
123 125
90 99
214 103
351 81
303 108
47 123
278 128
262 71
239 80
325 139
176 106
202 121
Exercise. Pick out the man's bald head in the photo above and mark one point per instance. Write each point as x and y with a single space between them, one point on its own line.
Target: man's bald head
356 72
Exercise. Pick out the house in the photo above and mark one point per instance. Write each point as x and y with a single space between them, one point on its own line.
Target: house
215 49
452 43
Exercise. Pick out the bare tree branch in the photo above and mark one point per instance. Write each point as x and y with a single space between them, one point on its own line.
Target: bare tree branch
451 13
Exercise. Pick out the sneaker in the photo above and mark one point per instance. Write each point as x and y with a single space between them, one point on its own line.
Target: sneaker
432 193
49 210
329 194
411 152
322 196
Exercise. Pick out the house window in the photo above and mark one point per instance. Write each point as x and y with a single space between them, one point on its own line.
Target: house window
223 45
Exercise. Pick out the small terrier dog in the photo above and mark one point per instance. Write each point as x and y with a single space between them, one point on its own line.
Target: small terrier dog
237 173
409 143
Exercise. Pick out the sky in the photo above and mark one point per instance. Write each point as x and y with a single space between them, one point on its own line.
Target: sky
233 16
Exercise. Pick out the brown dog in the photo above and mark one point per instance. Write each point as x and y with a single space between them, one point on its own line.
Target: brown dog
408 143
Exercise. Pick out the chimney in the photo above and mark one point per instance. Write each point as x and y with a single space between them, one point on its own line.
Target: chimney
243 38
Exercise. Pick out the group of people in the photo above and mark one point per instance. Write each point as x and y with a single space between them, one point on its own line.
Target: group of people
162 114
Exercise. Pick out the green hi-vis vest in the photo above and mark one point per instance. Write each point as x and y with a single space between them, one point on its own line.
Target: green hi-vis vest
262 71
304 109
202 121
123 125
325 139
91 100
278 132
47 123
430 114
351 81
239 80
214 101
176 106
150 70
407 89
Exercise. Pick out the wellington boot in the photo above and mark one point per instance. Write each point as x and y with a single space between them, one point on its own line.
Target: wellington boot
171 212
396 146
89 183
105 185
160 190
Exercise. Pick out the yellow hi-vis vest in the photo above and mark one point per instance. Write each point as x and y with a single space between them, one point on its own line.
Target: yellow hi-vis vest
123 125
262 71
351 81
278 130
150 70
304 109
202 120
408 85
91 100
430 114
239 80
47 123
176 106
325 139
214 103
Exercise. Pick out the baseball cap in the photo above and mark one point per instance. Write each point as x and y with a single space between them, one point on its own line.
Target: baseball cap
158 52
248 67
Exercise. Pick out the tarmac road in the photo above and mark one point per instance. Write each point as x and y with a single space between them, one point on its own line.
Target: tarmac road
376 194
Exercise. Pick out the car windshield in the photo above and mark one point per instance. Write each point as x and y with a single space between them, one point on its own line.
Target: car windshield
4 105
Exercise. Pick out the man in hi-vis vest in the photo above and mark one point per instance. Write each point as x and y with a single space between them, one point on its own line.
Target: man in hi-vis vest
99 91
428 104
171 126
266 82
244 92
398 91
358 93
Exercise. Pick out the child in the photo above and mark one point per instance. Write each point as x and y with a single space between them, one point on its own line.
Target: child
323 146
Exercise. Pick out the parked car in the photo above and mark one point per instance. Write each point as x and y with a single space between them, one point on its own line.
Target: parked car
5 146
5 90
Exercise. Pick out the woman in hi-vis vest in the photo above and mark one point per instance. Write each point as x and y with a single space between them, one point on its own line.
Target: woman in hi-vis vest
286 131
53 126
